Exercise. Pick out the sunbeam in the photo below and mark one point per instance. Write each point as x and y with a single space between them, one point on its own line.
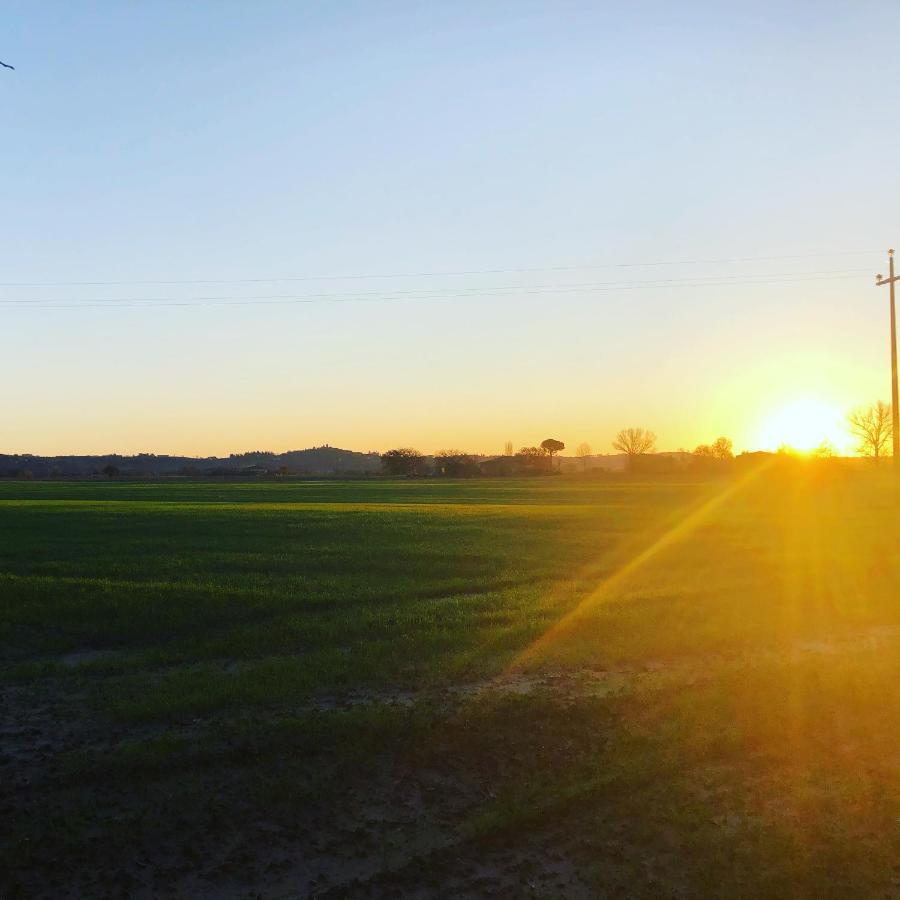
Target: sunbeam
677 532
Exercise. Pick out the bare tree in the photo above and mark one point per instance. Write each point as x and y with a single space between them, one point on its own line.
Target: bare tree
635 441
583 451
508 448
871 425
720 448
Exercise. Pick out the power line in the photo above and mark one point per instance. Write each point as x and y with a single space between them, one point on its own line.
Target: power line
399 296
375 297
435 274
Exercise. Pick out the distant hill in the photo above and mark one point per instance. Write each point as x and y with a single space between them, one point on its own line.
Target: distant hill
312 461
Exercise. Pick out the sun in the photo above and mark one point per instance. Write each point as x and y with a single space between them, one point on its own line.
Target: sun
804 425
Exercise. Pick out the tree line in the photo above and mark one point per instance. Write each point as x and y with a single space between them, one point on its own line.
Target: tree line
530 460
870 425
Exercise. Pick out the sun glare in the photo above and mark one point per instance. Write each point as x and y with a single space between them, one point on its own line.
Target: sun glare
804 425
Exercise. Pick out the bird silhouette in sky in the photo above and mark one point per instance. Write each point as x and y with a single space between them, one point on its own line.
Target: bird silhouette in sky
7 65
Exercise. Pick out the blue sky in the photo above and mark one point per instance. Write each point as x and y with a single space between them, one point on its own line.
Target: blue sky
233 141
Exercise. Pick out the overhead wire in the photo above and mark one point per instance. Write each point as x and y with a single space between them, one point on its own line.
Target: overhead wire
501 291
438 274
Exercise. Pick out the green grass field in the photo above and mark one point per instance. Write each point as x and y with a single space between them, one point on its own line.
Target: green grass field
537 688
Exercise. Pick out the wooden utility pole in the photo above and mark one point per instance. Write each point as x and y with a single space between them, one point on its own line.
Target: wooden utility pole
895 401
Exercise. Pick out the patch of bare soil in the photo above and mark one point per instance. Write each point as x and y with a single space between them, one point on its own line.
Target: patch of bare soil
385 831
